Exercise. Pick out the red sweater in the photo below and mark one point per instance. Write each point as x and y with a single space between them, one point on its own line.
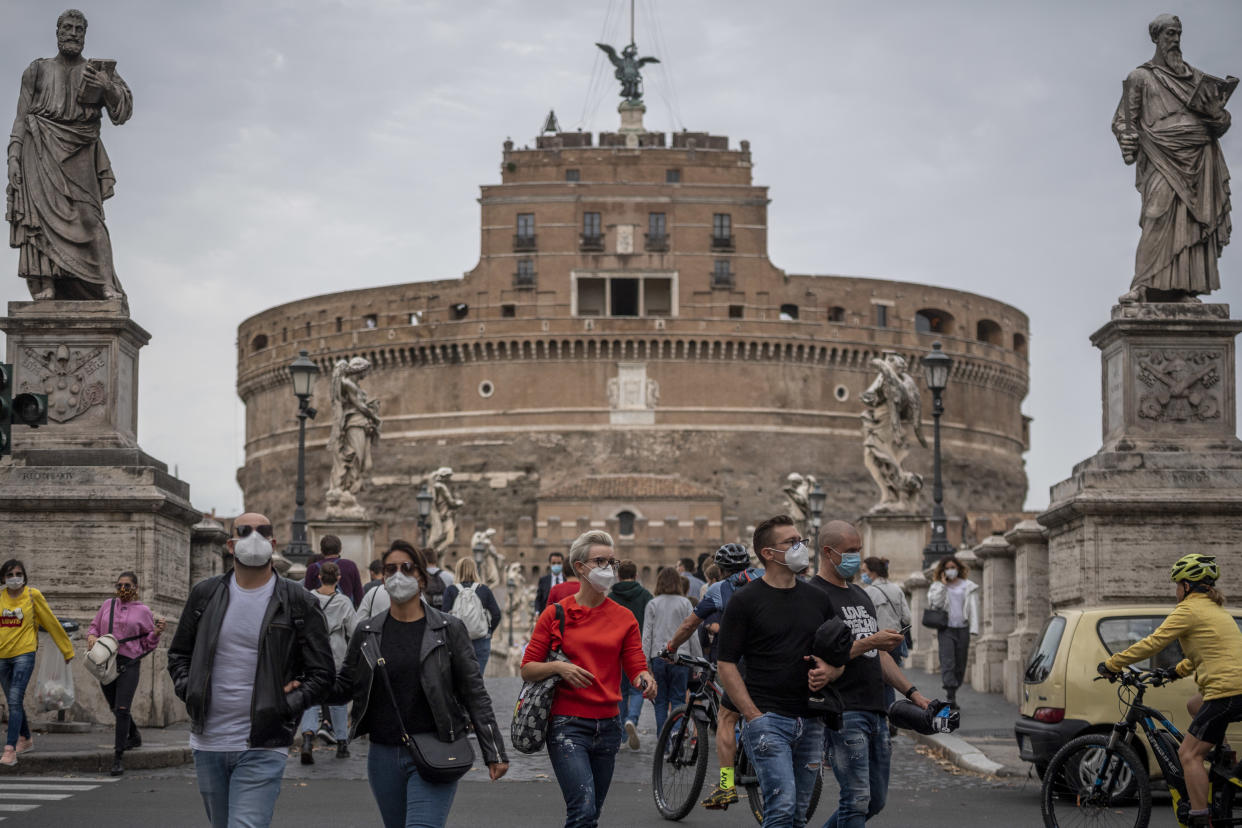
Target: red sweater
562 591
601 640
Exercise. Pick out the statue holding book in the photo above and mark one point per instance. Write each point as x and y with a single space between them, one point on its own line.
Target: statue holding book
1168 124
59 173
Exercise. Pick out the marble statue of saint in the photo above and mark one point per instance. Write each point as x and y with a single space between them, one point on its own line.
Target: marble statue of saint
59 173
355 429
443 511
798 492
492 566
893 409
1169 123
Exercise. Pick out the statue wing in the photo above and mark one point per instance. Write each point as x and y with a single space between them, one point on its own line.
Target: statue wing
338 405
914 403
646 60
611 52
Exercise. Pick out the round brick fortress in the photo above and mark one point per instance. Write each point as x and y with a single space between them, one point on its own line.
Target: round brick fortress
624 318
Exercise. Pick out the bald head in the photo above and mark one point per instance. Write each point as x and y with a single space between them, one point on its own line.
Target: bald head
250 519
840 535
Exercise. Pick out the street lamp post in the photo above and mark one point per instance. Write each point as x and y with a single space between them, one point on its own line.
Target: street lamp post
303 372
424 499
816 500
511 588
936 367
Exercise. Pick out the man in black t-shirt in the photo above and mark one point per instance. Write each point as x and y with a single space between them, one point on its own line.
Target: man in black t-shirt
861 774
770 626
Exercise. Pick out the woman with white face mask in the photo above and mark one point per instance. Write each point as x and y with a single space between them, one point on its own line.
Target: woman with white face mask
22 609
952 592
601 639
429 663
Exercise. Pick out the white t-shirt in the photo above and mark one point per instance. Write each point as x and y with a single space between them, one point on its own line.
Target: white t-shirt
957 602
227 726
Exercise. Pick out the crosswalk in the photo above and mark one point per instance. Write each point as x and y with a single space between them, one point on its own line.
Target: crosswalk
21 794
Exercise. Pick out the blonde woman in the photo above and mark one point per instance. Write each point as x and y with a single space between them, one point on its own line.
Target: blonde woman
467 573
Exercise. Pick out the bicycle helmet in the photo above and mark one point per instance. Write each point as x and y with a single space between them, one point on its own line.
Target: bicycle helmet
732 557
1195 568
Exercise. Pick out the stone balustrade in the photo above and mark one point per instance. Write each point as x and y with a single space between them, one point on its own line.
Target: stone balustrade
1031 601
991 648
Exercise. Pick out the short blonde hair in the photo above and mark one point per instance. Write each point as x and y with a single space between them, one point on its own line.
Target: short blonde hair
581 547
466 571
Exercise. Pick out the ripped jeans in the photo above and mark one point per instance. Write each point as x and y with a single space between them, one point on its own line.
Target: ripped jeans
786 755
583 753
859 754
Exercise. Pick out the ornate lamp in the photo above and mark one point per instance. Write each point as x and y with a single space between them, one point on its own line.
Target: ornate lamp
816 500
424 498
303 372
936 367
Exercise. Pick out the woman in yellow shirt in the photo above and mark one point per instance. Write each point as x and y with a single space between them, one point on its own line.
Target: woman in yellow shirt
22 608
1212 643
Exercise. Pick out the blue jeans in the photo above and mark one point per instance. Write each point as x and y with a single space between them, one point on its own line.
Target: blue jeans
631 705
583 753
14 676
404 798
482 651
239 788
859 754
340 720
786 754
671 682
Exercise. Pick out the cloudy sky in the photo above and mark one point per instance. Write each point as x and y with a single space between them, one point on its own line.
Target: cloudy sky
285 149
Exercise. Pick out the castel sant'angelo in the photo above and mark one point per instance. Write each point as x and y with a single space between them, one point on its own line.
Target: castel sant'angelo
625 355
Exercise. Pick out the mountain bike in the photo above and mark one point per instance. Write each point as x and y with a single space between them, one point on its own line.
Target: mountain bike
686 744
1099 779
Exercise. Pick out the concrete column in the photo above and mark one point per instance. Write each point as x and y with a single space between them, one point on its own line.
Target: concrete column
923 655
997 602
1031 600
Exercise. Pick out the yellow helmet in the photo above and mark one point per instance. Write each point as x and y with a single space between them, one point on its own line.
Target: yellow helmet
1196 568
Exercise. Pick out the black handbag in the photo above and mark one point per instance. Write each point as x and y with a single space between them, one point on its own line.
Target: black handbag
436 760
935 619
533 712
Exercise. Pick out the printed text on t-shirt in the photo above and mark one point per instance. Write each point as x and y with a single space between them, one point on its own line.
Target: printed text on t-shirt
861 624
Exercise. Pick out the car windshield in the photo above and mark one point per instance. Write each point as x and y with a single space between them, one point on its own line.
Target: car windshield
1118 633
1040 664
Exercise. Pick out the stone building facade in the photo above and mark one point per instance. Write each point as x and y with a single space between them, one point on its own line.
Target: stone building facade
624 318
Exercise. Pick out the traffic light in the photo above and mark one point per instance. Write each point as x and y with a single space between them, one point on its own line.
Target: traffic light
6 408
30 410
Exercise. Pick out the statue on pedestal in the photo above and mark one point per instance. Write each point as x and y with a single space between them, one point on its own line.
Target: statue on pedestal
443 511
492 565
1168 124
893 409
798 492
59 173
628 66
355 429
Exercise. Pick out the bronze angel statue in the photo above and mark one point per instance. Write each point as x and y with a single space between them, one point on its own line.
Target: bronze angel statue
893 407
627 72
355 429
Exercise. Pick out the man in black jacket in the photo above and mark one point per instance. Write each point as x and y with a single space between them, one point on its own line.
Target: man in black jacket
251 653
556 565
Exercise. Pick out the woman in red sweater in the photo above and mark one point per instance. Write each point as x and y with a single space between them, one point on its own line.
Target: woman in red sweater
601 640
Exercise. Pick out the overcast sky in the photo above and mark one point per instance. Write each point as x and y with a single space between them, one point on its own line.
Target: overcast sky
284 149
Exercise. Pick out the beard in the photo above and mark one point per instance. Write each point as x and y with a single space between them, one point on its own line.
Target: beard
68 46
1173 59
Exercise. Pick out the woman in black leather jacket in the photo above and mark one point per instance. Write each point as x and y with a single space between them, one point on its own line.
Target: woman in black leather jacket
431 665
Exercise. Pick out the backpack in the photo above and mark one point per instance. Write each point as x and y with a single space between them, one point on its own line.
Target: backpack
435 590
470 610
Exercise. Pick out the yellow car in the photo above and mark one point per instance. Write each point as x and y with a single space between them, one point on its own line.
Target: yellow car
1060 697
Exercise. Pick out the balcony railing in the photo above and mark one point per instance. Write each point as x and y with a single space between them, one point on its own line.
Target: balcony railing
722 242
591 243
722 279
523 242
524 279
657 243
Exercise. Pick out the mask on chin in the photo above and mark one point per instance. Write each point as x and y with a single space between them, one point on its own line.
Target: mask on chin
253 550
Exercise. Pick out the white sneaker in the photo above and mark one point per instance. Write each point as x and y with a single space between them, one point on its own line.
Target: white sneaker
631 731
9 757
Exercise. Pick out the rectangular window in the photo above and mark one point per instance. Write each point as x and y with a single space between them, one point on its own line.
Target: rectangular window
624 296
721 275
370 321
416 317
1119 633
655 224
508 311
526 224
525 276
591 297
672 176
881 316
657 236
590 225
836 314
657 297
340 323
736 311
573 175
722 226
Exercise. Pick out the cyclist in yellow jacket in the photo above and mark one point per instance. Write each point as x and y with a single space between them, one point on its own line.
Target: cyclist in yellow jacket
1212 643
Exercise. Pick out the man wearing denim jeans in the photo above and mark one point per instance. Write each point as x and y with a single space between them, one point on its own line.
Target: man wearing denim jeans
250 653
768 629
860 751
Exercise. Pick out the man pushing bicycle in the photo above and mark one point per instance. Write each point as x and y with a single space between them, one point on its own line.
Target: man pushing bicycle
1212 643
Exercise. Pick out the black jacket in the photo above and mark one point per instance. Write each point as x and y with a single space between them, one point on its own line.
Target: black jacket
449 675
542 592
293 644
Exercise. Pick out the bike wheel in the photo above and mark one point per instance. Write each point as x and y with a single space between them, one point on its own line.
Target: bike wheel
680 764
1089 783
744 776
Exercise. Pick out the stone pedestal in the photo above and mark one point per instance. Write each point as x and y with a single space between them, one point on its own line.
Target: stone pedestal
991 648
632 122
79 499
1168 478
898 537
357 540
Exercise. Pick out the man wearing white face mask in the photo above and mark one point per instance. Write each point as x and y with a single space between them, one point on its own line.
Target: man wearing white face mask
251 653
770 626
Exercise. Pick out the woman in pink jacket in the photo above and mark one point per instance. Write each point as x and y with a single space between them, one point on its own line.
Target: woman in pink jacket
138 633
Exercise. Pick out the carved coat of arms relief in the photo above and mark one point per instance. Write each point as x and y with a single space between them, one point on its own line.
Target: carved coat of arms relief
74 379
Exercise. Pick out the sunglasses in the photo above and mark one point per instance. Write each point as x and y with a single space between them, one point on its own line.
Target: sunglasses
406 567
265 530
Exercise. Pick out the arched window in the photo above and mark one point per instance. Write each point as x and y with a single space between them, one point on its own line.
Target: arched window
625 523
988 331
933 321
1019 343
259 342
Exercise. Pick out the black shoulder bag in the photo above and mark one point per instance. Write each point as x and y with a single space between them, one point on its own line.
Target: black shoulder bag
533 712
436 761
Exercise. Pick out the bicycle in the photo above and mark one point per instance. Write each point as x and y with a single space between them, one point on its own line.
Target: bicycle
686 744
1100 779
